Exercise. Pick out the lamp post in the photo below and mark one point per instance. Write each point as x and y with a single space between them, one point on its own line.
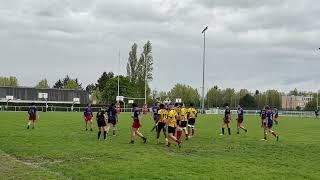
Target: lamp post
203 65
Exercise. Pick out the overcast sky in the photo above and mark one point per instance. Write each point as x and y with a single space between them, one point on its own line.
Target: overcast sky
251 44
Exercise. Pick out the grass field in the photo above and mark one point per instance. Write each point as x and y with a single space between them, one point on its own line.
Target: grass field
60 149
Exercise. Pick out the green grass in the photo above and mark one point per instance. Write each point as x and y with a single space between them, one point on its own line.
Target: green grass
60 149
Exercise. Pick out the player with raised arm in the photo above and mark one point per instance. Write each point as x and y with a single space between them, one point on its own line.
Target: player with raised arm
136 125
101 121
268 124
240 120
191 116
112 118
33 116
88 115
162 120
155 110
171 126
226 119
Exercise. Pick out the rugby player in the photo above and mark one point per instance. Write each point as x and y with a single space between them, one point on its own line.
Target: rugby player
87 114
33 116
226 119
136 125
112 118
240 120
191 115
101 121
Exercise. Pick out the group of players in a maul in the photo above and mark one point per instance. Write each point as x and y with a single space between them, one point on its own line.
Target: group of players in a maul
173 121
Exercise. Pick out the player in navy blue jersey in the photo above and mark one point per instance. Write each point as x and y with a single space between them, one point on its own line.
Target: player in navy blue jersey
155 110
33 116
240 120
112 118
88 115
226 119
101 122
136 124
268 123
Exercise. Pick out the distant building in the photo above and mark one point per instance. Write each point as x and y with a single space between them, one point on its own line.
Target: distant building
292 102
37 95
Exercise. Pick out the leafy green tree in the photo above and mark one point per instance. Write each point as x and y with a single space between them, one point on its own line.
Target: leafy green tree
104 78
96 96
127 89
186 92
90 88
58 85
229 97
214 97
132 65
43 84
72 84
146 57
9 81
248 101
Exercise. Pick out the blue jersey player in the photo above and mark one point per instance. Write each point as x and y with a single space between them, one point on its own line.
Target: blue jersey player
240 120
112 118
33 115
155 110
268 124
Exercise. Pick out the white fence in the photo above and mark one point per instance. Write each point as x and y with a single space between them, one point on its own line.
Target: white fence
257 112
54 109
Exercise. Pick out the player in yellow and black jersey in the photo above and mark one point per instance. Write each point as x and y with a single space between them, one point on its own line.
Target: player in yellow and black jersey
192 115
162 120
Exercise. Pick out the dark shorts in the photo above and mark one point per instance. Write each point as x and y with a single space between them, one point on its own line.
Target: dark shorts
113 122
226 120
171 129
178 122
161 126
184 124
192 121
269 125
240 120
136 124
155 118
32 117
101 123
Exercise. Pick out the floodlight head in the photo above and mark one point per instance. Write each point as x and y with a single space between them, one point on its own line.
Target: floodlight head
204 30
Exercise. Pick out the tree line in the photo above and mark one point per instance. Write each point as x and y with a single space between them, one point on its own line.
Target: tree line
140 71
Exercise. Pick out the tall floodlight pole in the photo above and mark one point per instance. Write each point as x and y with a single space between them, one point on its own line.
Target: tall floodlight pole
145 80
118 77
203 64
318 96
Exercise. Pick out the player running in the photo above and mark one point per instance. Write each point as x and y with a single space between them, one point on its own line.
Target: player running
88 115
191 116
155 110
226 119
33 116
136 124
183 123
162 120
276 115
172 125
240 120
178 132
101 121
268 125
112 118
263 115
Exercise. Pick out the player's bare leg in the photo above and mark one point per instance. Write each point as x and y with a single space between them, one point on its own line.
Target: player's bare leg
114 130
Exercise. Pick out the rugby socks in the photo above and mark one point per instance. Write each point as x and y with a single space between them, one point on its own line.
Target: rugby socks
144 140
179 134
243 128
222 130
229 131
187 136
99 133
28 127
274 134
192 131
114 132
105 135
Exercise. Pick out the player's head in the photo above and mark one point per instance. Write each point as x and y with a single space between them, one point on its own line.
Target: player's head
134 105
112 105
267 107
191 105
161 106
226 105
181 105
88 105
176 105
